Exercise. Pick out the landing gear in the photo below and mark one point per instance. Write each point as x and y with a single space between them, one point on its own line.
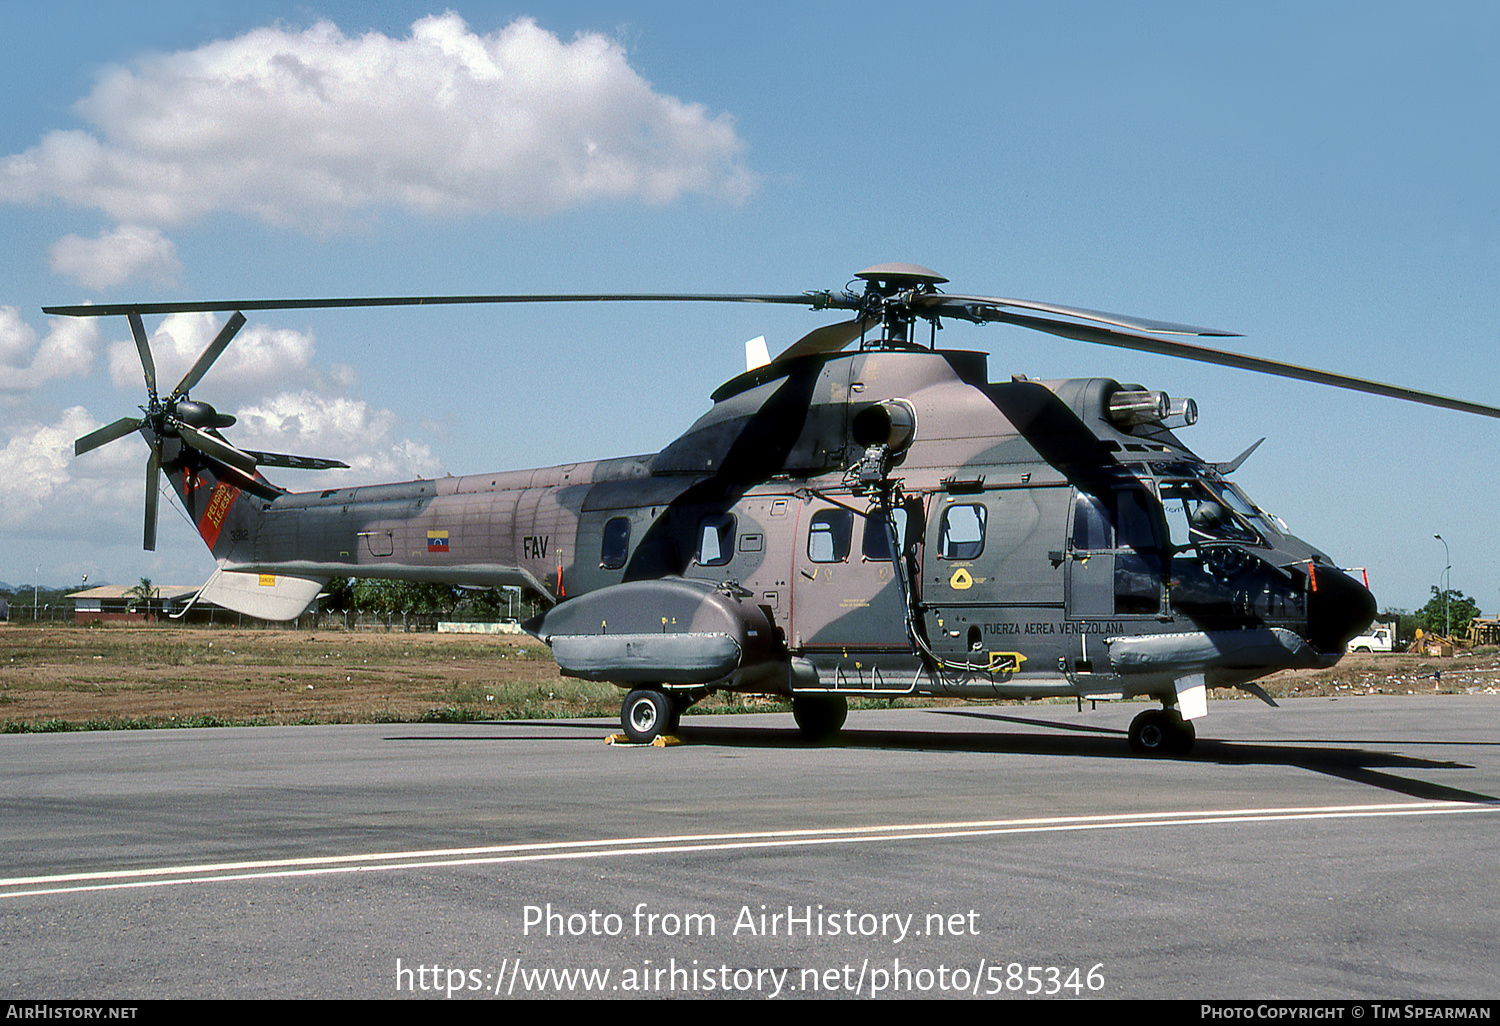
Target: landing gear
678 704
1161 732
819 717
646 713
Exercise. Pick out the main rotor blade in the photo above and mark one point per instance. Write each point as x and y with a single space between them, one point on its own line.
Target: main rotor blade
217 448
208 356
1223 358
142 346
108 433
816 300
153 480
828 339
988 304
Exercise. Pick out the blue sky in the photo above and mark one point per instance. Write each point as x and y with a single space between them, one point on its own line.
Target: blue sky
1319 177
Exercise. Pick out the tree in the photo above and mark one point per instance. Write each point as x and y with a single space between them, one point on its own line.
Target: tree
1435 616
338 595
144 593
388 599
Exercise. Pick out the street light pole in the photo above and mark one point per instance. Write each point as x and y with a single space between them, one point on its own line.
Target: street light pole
1447 617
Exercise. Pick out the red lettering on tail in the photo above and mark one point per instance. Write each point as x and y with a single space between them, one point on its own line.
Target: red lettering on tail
213 518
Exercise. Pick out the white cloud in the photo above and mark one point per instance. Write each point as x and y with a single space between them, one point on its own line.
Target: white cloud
27 362
312 128
307 424
98 496
118 256
260 357
248 380
49 491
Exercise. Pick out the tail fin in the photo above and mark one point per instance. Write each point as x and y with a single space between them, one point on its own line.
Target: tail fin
224 504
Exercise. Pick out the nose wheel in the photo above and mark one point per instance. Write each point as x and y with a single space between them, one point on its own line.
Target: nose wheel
1161 732
647 712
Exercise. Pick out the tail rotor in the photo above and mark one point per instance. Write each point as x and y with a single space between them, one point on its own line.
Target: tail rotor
195 423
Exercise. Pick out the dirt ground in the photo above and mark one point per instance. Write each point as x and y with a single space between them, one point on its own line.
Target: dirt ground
65 677
149 676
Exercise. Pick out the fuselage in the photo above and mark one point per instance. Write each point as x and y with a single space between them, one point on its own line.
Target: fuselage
1044 547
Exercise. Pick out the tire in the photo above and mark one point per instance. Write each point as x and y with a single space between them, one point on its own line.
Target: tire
645 714
819 717
1148 733
1180 734
680 703
1161 732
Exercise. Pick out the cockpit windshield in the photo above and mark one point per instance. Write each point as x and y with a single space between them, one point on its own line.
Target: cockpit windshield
1201 510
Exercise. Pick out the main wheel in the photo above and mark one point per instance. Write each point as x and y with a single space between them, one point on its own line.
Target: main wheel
1161 732
1180 734
820 716
644 714
679 703
1148 732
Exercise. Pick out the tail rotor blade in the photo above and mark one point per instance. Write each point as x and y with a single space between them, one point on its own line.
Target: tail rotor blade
217 448
108 433
153 475
282 459
142 346
208 356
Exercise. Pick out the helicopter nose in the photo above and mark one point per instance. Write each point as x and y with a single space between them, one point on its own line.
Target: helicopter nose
1338 608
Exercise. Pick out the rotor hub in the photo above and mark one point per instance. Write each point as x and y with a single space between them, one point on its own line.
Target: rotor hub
888 296
899 276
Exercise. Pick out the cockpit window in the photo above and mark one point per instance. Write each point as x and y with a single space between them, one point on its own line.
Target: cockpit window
1259 519
1197 513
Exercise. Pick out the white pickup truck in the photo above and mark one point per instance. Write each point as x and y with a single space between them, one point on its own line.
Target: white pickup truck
1378 640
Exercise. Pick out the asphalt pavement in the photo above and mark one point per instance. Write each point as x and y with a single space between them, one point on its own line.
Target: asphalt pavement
1329 849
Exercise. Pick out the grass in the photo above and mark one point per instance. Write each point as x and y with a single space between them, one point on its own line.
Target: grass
55 678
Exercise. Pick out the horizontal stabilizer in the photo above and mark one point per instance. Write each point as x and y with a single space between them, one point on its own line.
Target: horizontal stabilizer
268 596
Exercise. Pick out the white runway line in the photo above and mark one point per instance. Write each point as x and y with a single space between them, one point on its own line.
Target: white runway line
162 876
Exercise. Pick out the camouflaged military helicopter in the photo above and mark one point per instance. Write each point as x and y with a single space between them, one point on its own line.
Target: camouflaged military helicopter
881 521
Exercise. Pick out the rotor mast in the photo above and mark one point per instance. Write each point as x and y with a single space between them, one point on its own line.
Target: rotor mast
890 294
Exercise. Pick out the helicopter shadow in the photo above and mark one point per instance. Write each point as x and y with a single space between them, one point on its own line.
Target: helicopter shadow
1380 769
1359 765
1337 759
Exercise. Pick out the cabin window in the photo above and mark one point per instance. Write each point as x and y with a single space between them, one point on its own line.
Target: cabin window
715 539
616 544
1138 529
876 545
830 536
961 534
1124 519
1092 526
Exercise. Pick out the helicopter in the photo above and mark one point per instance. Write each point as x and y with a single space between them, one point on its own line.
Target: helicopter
878 520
